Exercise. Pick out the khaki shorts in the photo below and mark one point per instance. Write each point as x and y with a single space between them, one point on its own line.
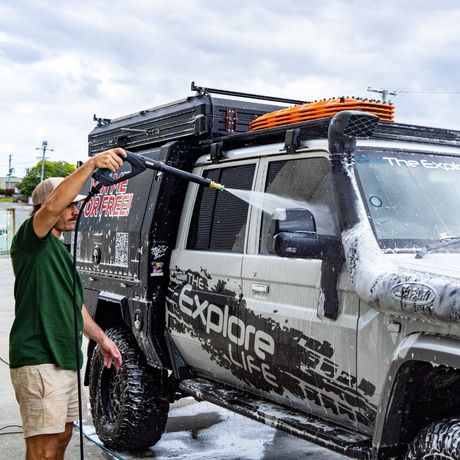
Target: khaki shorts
47 397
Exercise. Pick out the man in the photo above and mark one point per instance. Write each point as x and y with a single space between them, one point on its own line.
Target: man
42 339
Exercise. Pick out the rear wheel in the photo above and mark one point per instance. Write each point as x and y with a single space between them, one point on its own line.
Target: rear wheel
130 406
438 441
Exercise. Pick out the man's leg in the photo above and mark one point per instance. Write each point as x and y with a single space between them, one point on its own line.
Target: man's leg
41 447
48 446
63 441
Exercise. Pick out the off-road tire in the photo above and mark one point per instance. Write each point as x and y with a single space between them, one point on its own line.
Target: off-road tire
438 441
129 407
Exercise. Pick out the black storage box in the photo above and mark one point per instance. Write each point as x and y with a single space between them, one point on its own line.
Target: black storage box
194 118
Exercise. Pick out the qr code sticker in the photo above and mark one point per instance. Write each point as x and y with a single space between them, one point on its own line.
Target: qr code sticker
121 249
72 242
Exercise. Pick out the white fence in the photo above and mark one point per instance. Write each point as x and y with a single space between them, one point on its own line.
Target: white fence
6 229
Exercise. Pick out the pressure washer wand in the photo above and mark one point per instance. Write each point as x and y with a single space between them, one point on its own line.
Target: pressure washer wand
139 163
152 164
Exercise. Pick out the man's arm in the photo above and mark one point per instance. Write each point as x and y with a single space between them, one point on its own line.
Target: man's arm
106 346
47 216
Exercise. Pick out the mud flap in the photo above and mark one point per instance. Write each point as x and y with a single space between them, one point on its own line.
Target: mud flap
180 369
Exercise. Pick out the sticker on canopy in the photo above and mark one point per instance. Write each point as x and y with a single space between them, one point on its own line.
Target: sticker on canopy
157 269
113 201
121 249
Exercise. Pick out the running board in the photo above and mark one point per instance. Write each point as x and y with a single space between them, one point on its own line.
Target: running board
309 428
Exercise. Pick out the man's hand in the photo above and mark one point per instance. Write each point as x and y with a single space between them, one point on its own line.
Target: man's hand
108 349
110 159
110 352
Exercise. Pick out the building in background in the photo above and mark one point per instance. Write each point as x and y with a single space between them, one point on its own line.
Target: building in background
14 181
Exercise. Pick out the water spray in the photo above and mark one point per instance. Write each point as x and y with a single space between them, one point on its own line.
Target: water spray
139 163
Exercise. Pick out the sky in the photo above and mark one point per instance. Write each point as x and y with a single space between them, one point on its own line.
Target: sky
62 62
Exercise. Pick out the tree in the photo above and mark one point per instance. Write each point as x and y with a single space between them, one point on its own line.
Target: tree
50 169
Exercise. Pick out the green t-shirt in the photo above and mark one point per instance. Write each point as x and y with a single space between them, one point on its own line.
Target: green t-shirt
43 331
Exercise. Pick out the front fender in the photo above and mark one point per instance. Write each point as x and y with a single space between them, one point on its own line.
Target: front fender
142 318
416 348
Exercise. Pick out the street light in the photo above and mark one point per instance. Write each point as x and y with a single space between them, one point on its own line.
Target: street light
43 147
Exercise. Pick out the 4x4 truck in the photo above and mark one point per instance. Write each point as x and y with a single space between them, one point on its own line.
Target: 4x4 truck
318 292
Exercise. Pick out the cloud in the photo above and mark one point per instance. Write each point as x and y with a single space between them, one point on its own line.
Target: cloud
61 62
22 53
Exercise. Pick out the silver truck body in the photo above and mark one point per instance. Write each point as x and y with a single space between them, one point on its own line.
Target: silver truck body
318 293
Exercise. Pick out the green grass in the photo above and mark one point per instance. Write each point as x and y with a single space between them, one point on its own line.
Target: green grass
6 199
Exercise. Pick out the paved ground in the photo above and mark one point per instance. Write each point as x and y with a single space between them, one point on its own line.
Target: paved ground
12 446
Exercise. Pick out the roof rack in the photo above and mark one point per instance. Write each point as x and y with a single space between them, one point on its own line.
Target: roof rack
318 129
201 91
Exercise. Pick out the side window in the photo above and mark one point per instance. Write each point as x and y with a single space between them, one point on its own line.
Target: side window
219 218
304 182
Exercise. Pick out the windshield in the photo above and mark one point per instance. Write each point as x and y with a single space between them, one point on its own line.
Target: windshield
412 199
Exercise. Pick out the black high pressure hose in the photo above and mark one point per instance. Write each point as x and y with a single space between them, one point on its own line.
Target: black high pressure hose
94 191
138 164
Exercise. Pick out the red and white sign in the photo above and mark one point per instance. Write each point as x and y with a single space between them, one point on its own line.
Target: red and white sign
112 201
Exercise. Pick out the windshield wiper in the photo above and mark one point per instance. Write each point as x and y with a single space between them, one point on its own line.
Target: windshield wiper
450 240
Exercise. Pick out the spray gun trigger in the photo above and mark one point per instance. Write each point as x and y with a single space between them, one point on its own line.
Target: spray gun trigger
137 166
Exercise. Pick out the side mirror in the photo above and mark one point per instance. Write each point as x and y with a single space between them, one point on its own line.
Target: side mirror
292 233
292 221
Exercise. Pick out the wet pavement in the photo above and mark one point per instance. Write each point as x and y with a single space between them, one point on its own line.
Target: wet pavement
194 430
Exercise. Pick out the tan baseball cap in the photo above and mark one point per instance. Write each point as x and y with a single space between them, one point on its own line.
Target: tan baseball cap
44 189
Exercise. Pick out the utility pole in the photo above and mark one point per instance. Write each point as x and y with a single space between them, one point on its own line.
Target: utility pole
43 147
10 172
383 92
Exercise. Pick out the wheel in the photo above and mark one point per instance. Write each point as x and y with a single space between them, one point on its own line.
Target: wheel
438 441
129 407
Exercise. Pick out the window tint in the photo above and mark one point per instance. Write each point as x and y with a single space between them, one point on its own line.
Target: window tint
219 218
305 180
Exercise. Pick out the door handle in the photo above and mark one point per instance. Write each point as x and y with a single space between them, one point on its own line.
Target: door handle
260 288
181 277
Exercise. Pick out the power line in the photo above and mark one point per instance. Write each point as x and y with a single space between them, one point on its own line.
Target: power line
445 91
29 165
57 168
395 91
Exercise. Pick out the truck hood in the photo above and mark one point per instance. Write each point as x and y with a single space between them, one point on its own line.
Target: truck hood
425 289
437 263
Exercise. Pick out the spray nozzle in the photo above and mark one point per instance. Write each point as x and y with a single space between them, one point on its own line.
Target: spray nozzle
217 186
